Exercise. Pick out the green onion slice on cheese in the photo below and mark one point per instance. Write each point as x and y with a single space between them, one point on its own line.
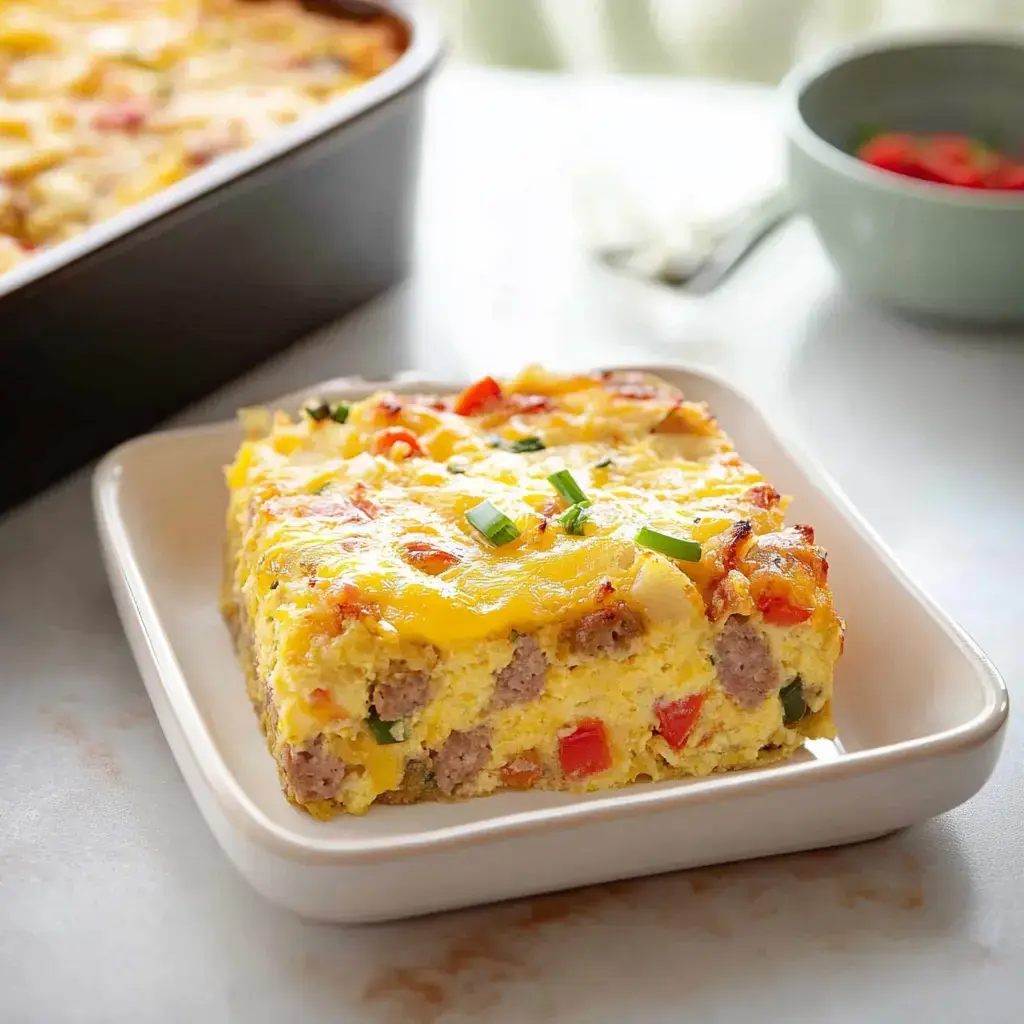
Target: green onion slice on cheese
565 483
497 527
664 543
518 447
318 411
573 518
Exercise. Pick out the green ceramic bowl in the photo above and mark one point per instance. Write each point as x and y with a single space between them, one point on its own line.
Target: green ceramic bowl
928 250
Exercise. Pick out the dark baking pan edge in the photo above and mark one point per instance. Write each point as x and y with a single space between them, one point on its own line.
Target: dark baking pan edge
109 334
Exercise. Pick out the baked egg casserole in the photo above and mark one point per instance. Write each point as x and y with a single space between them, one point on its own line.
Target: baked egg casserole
554 582
104 103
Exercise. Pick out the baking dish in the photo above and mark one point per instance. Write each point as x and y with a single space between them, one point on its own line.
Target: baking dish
149 310
920 711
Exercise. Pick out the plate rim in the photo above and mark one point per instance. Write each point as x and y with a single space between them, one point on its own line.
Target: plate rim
236 803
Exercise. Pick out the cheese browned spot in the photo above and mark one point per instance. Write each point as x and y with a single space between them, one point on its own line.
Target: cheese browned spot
735 538
763 496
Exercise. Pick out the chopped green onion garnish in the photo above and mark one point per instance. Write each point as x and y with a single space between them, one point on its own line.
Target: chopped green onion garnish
564 482
492 523
574 518
524 444
604 463
385 732
674 547
793 706
456 468
318 411
340 411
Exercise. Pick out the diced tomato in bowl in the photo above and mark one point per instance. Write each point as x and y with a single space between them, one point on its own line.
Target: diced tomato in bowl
957 160
891 151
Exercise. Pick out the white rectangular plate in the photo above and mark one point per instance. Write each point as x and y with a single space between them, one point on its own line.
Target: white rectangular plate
920 711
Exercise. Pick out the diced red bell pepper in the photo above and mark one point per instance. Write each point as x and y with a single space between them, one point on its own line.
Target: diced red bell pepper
585 751
385 440
779 611
477 397
677 718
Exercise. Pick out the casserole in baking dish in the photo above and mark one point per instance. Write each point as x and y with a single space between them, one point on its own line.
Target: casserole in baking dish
104 103
567 583
168 298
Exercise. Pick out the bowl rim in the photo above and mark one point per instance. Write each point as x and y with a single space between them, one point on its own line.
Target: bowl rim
795 84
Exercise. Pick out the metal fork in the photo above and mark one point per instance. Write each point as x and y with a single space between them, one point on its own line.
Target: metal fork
699 269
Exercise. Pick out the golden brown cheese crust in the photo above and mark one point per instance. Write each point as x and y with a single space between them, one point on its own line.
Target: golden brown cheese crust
105 102
396 653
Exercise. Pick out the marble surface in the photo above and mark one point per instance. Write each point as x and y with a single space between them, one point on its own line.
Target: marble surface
117 905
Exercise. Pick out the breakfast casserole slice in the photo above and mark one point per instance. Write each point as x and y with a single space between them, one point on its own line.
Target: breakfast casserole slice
568 583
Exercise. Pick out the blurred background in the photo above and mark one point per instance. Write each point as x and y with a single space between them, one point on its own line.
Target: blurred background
747 40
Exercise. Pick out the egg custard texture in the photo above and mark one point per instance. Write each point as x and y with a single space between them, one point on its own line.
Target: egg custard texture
569 583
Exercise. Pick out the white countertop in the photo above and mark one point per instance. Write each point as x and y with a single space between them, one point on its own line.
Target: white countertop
117 905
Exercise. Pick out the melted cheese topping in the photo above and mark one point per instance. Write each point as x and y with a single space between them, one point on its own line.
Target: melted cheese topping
310 543
105 102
